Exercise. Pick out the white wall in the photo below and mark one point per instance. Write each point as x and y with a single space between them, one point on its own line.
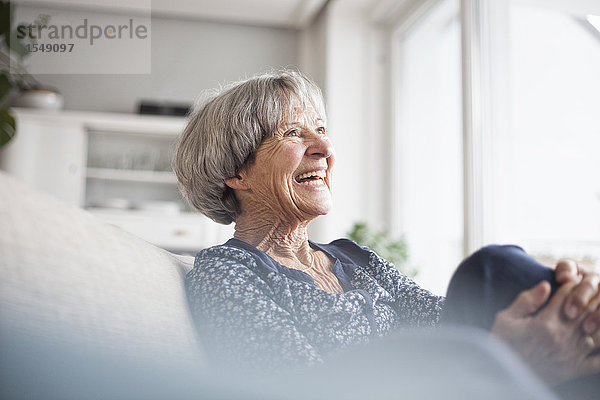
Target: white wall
313 49
341 51
187 57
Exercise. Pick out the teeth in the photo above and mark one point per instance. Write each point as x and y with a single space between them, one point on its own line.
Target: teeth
313 183
321 174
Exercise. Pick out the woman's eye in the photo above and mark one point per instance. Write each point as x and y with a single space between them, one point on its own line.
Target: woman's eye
292 132
321 130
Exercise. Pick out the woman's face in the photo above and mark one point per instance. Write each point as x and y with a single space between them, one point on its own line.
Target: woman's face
291 174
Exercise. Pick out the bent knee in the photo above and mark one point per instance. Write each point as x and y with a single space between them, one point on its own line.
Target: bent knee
491 256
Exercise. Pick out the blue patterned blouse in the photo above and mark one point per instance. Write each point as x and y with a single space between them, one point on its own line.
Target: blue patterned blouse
252 312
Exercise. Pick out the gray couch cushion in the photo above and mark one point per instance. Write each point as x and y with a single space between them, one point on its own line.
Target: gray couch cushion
66 276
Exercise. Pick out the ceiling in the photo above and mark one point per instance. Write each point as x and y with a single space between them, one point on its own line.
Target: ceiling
281 13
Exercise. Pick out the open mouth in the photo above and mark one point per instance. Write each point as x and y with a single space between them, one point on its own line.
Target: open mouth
312 177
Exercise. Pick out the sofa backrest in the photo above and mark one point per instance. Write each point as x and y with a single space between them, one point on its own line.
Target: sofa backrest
65 276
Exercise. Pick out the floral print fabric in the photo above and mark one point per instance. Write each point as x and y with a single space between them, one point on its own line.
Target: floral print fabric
252 312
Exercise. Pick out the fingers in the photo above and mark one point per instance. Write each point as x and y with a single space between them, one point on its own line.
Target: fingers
529 301
581 295
591 323
591 345
566 271
587 288
553 309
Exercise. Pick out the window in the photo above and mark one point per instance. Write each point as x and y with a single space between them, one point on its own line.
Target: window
523 166
552 159
428 159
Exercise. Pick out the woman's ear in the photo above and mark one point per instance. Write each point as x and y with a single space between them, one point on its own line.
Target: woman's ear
236 183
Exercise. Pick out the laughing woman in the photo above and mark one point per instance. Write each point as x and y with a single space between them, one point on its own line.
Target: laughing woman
257 154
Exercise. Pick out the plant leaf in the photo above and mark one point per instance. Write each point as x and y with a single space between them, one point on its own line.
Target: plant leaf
395 251
8 126
5 85
6 14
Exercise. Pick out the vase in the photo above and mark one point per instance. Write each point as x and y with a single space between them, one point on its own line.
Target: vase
46 99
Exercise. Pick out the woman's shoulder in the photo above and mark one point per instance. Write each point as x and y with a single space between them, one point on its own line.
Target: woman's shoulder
348 250
223 252
219 262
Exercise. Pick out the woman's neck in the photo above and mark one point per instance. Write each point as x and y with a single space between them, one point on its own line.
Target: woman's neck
280 240
287 243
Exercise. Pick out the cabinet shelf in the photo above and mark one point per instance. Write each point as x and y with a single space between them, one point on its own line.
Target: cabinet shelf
119 161
127 175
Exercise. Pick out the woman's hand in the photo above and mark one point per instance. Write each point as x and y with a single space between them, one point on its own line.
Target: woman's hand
554 346
580 296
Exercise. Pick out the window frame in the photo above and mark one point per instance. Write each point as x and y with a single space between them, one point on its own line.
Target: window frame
479 21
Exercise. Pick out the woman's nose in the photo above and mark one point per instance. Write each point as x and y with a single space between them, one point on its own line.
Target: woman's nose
320 146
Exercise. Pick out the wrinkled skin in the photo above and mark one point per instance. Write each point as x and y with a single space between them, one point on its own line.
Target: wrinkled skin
276 208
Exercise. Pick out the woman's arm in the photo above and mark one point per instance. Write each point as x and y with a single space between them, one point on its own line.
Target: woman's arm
417 307
414 306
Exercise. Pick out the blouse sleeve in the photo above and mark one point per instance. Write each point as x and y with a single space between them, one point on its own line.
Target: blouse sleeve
417 307
238 319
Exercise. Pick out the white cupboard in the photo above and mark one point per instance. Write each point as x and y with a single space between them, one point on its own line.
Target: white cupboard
117 166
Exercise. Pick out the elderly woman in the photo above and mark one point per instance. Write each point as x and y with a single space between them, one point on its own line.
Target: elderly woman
257 154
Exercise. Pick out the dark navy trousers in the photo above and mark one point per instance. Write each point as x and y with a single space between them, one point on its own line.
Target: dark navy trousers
489 281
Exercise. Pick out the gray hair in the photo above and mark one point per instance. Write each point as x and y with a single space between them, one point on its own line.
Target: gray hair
225 129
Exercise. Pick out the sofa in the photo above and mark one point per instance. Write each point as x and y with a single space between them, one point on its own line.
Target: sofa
88 311
70 282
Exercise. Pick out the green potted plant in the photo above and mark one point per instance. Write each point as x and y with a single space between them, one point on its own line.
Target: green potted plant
13 73
395 251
